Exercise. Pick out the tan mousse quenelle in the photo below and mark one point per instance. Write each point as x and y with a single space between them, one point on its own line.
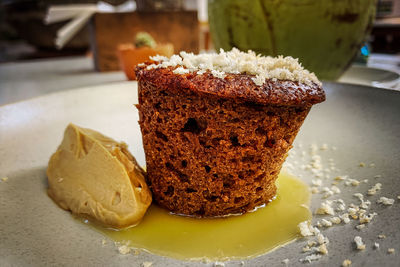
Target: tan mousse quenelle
93 175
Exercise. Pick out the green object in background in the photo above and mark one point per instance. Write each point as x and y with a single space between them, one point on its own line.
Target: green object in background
324 34
144 39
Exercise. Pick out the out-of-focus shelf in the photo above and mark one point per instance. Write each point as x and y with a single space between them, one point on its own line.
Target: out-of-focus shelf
387 22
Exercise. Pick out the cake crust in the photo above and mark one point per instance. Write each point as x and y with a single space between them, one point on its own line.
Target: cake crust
239 87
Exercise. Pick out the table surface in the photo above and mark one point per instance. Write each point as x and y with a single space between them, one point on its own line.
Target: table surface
28 79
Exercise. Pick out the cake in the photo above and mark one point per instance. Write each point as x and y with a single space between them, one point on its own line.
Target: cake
217 128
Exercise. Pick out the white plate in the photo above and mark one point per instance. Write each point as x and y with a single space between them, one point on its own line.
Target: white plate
363 75
362 123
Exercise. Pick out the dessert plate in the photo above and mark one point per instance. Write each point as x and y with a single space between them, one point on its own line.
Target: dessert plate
356 132
363 75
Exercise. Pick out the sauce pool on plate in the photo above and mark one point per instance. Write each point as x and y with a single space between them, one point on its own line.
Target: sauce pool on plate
220 239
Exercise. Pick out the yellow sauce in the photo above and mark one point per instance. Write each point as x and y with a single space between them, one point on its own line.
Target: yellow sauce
220 239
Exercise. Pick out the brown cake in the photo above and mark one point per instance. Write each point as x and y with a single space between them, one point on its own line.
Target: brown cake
215 141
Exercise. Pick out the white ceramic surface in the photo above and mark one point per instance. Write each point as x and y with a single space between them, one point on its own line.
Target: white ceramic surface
362 123
376 77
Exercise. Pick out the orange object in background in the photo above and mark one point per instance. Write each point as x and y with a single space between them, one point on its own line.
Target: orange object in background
129 56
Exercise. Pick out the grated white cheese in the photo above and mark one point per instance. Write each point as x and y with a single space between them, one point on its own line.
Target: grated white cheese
341 178
326 223
180 70
310 258
335 190
352 182
325 208
360 226
336 220
385 201
306 229
323 249
381 236
124 249
346 263
376 245
391 250
359 243
322 239
147 264
314 190
367 218
316 182
345 218
235 62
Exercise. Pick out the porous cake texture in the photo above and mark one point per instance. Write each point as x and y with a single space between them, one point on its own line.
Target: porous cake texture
215 146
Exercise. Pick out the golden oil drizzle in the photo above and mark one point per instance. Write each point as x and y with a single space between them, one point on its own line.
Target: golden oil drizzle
220 239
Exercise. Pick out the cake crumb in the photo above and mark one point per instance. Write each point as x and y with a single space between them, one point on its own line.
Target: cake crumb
4 179
346 263
385 201
147 264
391 250
381 236
372 165
285 261
219 264
124 249
362 164
103 242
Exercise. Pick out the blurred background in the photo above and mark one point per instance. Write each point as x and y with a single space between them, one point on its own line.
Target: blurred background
51 45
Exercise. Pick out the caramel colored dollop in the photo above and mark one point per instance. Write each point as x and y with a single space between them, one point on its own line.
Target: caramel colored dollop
93 175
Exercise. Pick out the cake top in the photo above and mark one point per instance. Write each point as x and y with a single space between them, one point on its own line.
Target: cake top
236 75
236 62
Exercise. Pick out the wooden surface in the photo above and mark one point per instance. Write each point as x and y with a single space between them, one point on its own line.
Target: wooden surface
110 29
